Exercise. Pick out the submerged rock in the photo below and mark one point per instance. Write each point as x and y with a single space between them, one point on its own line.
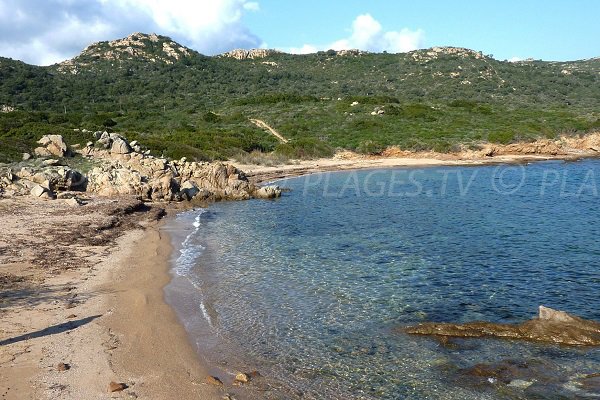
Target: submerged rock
242 378
551 326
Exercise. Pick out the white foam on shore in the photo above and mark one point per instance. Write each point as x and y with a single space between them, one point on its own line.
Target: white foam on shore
188 254
205 314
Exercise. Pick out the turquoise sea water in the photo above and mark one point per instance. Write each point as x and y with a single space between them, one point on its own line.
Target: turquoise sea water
311 289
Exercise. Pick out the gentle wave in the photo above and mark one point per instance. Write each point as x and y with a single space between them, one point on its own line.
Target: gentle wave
188 254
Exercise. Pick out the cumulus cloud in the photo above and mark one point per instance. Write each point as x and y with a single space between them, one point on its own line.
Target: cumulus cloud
53 30
368 34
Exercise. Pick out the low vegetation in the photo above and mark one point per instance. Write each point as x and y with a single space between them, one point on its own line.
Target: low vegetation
199 107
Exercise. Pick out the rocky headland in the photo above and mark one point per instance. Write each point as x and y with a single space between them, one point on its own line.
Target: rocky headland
112 166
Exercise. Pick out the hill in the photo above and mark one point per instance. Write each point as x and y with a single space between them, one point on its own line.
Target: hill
182 103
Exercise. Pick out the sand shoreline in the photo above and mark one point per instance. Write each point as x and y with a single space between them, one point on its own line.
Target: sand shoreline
262 174
104 316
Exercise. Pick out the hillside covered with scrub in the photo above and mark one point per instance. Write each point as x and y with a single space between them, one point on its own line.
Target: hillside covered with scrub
181 103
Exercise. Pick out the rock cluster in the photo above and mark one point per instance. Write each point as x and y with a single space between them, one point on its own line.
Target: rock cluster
123 168
41 182
242 54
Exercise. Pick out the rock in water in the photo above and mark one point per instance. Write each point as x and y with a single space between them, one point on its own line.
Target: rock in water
548 314
268 192
552 326
242 378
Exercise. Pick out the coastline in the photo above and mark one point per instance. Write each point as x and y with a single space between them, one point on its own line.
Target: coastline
260 174
111 321
154 348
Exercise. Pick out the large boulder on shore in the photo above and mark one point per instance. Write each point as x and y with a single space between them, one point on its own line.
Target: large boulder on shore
120 146
551 326
115 180
52 145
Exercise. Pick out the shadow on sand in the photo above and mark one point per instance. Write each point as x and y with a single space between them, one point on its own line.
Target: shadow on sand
51 330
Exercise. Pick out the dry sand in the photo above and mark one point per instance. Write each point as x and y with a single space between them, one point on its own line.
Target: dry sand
83 286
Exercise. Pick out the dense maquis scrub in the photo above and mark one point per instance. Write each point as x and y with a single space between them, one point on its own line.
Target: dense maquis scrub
185 104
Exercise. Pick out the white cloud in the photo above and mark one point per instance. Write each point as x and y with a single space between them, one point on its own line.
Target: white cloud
252 6
515 59
54 30
306 49
368 34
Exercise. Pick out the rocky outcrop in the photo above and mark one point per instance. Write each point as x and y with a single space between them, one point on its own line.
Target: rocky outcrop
241 54
52 145
543 147
122 169
29 180
151 48
551 326
268 192
113 142
127 171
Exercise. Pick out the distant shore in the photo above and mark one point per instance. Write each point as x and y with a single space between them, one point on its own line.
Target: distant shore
261 174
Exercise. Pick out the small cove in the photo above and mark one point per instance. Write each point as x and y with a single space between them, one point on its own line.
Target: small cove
309 289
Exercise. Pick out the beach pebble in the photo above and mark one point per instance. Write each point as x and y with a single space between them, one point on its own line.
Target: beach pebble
116 387
519 383
242 378
63 367
213 380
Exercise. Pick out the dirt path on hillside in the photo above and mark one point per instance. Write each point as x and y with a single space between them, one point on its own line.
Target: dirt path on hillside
263 125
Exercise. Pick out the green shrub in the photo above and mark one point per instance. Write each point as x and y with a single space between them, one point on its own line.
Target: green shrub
502 137
370 147
304 148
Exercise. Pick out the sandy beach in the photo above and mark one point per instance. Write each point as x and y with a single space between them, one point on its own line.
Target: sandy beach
82 305
261 173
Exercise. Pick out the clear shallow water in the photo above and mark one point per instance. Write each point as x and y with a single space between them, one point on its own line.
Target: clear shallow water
310 289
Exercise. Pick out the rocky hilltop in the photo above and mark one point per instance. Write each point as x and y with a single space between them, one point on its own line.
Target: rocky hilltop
117 167
242 54
137 46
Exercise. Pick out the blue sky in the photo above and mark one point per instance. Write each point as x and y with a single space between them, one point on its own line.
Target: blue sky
549 30
44 32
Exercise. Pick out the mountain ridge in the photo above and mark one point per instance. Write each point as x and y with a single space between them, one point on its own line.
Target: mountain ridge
172 50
